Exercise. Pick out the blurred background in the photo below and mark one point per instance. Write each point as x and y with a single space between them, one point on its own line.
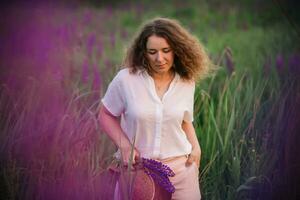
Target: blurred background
57 59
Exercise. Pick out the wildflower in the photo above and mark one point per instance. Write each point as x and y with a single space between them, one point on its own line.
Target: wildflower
90 43
97 78
158 167
160 173
294 64
88 16
64 34
109 11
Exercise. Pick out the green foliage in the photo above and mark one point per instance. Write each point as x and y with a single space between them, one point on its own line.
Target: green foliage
236 112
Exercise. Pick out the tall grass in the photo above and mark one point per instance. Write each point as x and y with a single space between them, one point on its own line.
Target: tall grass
239 122
225 124
51 144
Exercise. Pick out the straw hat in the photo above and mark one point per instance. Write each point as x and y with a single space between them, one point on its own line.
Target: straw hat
136 184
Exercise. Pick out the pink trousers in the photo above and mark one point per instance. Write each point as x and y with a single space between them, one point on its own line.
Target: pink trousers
186 179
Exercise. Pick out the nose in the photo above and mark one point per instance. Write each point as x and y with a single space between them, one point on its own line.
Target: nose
159 56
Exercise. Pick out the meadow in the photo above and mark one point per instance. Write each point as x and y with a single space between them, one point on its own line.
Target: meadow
56 63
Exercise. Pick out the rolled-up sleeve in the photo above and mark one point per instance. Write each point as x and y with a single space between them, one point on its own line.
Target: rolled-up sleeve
113 99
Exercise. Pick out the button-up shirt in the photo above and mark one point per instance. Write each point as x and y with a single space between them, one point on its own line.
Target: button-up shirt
152 124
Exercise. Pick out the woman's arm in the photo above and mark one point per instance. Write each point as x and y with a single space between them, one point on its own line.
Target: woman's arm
111 126
190 132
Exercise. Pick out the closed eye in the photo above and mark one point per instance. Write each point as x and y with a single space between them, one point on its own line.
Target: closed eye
166 50
152 52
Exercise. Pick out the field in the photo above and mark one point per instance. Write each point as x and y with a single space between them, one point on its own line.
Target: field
56 63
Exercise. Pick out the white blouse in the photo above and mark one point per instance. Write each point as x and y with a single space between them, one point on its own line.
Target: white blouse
151 123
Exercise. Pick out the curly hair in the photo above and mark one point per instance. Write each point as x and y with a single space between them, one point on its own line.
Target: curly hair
191 61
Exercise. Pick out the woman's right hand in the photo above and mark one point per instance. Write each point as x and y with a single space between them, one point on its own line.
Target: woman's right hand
111 125
126 153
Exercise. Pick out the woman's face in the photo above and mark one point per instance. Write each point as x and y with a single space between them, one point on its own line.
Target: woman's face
159 54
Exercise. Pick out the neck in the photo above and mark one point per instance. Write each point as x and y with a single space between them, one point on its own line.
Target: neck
163 76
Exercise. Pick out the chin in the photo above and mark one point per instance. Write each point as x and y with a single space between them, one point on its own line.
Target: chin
162 71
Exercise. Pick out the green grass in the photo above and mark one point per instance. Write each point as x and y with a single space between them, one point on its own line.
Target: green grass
236 115
225 121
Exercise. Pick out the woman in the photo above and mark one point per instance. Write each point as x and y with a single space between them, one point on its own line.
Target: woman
149 104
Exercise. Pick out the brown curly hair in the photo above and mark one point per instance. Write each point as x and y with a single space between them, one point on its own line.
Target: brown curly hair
190 59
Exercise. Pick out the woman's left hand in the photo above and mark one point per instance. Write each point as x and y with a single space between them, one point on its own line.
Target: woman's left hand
194 156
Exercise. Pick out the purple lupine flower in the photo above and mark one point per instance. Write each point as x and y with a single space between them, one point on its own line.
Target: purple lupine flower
109 11
87 18
90 43
97 78
63 33
158 167
294 64
280 63
160 173
99 49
